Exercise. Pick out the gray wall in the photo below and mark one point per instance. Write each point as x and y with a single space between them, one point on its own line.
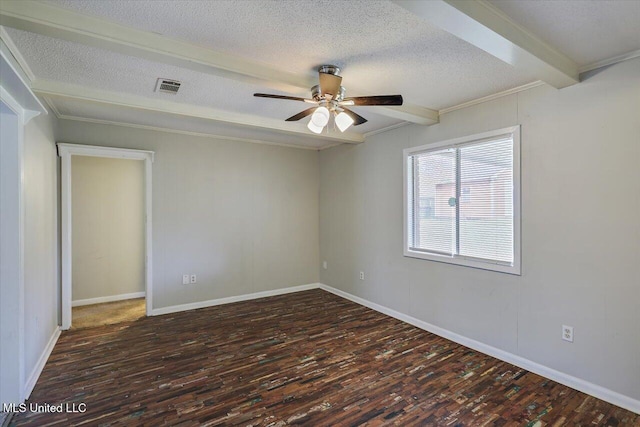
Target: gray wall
108 208
41 284
580 230
243 217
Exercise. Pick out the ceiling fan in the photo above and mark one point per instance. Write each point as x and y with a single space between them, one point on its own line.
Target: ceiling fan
329 100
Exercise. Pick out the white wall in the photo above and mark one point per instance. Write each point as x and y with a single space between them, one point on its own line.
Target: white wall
108 233
580 230
243 217
40 257
10 352
41 284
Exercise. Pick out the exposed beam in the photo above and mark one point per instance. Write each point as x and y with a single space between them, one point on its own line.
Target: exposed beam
484 26
53 21
57 22
53 89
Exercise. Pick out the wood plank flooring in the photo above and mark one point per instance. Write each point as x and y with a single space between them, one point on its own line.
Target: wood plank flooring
309 358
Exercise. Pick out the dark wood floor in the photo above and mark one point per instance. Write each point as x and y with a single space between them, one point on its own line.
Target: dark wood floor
309 358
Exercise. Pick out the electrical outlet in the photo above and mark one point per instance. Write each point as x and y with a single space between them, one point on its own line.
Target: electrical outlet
193 279
567 333
185 279
324 264
362 275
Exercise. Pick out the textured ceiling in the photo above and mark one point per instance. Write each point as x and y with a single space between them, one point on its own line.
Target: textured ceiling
67 62
382 48
585 31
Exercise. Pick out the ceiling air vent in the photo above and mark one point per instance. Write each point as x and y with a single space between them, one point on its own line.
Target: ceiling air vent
168 86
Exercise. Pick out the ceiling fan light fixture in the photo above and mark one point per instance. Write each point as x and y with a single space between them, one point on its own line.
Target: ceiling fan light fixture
343 121
313 128
329 96
320 117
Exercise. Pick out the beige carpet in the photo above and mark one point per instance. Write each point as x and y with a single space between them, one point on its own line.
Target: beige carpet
108 313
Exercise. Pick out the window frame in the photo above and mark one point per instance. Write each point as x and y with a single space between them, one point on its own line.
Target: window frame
409 182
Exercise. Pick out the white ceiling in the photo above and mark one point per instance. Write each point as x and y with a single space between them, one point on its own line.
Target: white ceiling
382 47
587 31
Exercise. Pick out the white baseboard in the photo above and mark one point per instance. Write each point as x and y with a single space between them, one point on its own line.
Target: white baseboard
112 298
228 300
37 370
595 390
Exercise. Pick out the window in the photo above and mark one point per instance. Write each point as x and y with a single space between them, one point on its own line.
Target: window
462 201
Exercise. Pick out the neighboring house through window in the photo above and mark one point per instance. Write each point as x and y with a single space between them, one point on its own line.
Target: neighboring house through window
462 201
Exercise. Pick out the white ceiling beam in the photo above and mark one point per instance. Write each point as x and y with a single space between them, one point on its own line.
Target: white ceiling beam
486 27
53 21
47 88
57 22
16 84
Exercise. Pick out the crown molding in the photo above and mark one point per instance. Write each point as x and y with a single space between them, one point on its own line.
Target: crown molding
610 61
4 36
492 97
186 132
385 129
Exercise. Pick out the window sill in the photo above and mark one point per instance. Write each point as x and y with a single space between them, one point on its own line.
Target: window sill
465 262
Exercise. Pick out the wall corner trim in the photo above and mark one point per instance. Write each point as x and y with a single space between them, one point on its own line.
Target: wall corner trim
37 370
579 384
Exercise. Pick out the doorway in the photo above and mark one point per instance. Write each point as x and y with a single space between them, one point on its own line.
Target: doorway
106 233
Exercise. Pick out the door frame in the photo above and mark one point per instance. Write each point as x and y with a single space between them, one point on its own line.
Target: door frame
65 151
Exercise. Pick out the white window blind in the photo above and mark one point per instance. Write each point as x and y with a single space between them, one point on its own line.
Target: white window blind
460 201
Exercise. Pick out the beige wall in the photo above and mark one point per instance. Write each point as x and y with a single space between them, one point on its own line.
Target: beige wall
108 202
243 217
580 230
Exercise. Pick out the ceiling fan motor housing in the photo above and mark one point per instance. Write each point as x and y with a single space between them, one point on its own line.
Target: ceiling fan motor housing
329 69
